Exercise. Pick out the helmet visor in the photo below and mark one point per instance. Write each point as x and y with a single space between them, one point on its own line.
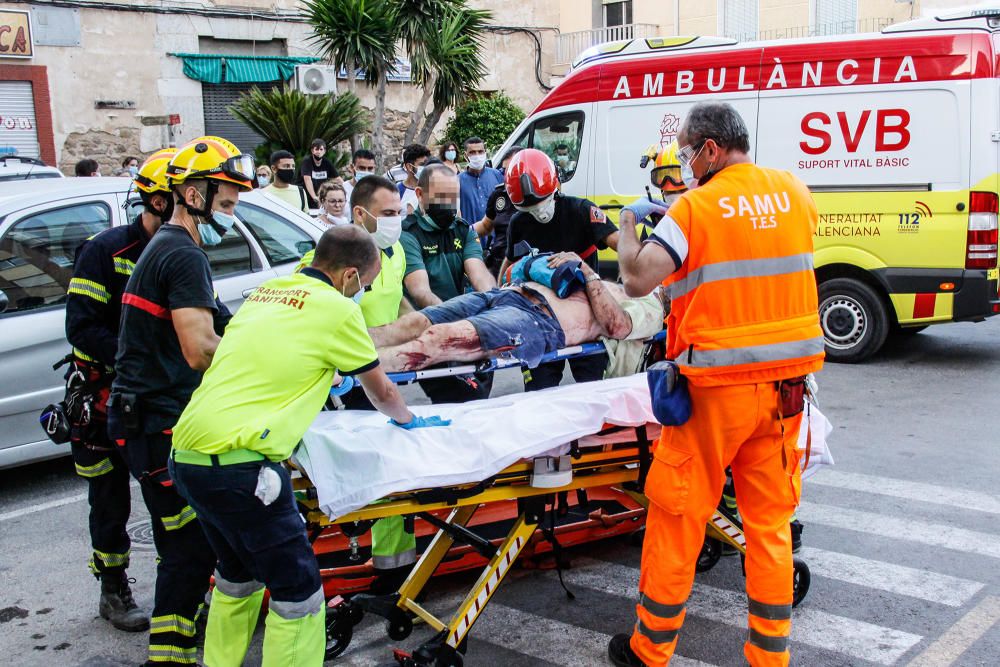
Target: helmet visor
240 167
667 177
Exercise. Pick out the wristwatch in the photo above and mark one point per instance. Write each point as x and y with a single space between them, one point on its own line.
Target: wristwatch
592 278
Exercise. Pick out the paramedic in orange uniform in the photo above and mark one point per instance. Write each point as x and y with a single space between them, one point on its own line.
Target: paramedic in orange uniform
737 254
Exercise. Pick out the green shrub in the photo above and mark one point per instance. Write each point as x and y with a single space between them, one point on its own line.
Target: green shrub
491 118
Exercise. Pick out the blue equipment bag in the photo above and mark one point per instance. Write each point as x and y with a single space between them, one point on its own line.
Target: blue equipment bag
668 393
563 280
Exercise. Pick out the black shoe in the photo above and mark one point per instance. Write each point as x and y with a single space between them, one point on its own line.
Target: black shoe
796 527
118 606
620 652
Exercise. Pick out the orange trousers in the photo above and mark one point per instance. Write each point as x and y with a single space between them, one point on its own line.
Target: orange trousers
735 426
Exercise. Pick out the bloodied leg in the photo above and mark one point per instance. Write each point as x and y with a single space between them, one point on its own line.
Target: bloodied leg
456 341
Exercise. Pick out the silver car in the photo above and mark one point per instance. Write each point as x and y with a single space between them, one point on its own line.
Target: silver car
42 223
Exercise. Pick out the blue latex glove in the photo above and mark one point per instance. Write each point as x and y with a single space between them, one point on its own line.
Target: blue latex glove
421 422
346 384
642 208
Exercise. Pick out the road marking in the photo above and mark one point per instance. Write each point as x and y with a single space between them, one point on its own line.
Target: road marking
52 504
899 488
957 639
911 530
859 639
931 586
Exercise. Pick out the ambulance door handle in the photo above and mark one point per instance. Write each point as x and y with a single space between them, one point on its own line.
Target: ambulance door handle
248 292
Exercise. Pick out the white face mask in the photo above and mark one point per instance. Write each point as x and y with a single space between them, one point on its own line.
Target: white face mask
450 155
387 231
543 211
477 162
687 175
358 174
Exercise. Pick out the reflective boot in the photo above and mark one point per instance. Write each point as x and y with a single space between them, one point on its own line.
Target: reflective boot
118 606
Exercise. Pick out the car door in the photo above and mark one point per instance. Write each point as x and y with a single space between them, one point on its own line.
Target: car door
282 239
37 248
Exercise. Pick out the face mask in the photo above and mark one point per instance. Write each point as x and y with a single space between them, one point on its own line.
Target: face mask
450 155
477 162
562 159
442 214
286 175
360 294
133 171
687 175
388 231
543 211
209 236
358 174
417 171
262 181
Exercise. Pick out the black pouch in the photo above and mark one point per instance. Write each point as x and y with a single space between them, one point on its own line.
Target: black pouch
124 419
668 393
55 422
792 396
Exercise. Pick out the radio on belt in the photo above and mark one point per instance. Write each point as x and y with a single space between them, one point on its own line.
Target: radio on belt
551 472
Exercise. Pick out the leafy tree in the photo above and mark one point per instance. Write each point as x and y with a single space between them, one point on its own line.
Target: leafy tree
491 118
290 119
441 38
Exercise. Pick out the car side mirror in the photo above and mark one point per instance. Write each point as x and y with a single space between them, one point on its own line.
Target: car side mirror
4 301
302 247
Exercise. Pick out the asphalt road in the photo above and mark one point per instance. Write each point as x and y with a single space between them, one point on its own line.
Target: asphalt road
898 534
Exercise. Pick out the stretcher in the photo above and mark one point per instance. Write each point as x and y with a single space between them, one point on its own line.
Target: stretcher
594 437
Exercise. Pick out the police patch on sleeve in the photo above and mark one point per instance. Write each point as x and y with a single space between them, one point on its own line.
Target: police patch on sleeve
501 203
597 215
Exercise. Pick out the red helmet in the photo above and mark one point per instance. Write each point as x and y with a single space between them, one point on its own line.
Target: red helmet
530 177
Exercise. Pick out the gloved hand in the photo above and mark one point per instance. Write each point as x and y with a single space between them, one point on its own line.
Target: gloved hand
346 384
421 422
642 208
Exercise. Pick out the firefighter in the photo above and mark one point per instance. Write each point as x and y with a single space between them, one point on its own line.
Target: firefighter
549 221
93 307
737 254
170 327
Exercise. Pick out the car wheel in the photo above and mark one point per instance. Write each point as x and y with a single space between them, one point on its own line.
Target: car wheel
854 318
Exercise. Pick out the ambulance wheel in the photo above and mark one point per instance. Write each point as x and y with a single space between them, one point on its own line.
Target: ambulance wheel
711 552
801 577
339 631
399 625
854 318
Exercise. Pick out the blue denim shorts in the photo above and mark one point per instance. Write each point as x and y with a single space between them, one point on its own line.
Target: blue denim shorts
504 319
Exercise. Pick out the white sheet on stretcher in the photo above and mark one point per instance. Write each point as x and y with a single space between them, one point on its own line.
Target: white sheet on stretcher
355 457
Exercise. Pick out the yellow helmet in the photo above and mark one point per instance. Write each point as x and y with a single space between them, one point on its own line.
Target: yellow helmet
666 173
152 176
212 158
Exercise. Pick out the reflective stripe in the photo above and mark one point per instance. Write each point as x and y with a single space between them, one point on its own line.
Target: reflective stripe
85 287
96 470
112 560
179 520
293 610
656 636
770 612
736 356
123 266
236 589
154 309
672 237
81 355
395 560
168 653
658 608
172 623
767 642
741 268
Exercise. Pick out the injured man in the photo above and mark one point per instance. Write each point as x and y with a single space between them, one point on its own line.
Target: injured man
550 302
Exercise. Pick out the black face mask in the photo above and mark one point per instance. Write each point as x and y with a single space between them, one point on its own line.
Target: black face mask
286 175
442 214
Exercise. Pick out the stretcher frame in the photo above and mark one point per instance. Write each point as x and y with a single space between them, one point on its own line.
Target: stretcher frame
620 465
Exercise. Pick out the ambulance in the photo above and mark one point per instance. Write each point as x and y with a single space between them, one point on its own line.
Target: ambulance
897 134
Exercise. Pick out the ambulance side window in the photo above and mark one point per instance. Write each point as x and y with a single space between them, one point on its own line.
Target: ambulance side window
559 137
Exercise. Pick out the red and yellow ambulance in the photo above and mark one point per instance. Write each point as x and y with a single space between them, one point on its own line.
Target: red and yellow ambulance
897 135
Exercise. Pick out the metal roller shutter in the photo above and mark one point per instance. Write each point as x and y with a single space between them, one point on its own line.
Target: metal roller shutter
216 98
18 131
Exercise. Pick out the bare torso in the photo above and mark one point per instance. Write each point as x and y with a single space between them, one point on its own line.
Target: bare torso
574 313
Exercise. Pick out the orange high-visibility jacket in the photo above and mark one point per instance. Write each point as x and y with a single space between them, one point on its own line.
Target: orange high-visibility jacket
744 304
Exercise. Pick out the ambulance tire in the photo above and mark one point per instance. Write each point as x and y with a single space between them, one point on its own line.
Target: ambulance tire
854 318
801 578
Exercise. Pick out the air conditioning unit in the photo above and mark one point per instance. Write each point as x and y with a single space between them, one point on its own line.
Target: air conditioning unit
316 79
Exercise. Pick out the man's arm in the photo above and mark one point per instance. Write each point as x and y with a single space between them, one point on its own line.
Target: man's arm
480 277
484 226
642 265
418 286
307 182
405 307
196 333
403 330
384 395
88 306
607 311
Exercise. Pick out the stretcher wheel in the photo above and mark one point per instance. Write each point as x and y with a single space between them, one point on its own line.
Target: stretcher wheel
711 552
339 631
801 579
399 625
